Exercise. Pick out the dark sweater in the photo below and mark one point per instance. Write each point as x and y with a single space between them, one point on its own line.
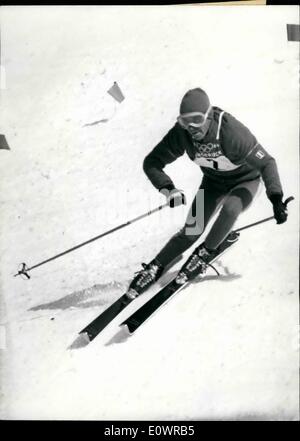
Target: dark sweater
228 154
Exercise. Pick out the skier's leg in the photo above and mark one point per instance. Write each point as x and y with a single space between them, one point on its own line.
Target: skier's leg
203 207
238 200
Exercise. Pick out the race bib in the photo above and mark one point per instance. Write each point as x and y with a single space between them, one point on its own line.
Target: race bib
210 155
220 163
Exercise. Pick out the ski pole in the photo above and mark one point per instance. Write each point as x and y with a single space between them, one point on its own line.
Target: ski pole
24 269
291 198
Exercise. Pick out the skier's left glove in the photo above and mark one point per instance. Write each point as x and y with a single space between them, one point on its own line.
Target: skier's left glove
280 210
174 196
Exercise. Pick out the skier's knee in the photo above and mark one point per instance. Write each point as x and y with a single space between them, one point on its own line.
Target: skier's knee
188 235
242 197
232 208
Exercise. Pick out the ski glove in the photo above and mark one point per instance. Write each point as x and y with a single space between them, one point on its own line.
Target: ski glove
280 210
174 196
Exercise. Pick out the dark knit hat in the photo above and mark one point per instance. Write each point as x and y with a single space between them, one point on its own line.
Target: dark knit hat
195 100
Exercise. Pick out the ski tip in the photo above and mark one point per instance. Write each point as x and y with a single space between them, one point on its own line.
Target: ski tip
120 337
126 328
81 341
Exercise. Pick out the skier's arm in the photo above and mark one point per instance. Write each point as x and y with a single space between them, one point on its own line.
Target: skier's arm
266 164
167 151
242 147
260 159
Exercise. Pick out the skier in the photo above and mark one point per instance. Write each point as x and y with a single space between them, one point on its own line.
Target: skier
233 164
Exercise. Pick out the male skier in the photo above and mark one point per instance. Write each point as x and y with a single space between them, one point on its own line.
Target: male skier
233 163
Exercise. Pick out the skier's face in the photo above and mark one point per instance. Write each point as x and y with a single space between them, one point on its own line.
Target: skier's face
199 132
196 123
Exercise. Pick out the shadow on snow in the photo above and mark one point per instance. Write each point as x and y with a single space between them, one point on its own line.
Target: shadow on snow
85 298
122 335
90 297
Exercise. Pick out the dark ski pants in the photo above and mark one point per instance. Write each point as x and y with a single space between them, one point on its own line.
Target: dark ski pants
210 196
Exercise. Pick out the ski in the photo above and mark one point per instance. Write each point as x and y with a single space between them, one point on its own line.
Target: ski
142 314
101 321
87 334
133 322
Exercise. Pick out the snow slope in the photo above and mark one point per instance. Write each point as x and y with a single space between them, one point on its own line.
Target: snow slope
223 349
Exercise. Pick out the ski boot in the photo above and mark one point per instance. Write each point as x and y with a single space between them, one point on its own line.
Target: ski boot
144 278
196 264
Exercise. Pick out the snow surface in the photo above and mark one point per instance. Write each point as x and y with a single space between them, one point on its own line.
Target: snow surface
226 348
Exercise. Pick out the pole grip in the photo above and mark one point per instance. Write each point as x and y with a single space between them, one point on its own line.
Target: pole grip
289 199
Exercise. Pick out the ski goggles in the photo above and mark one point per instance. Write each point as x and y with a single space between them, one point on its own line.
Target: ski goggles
194 119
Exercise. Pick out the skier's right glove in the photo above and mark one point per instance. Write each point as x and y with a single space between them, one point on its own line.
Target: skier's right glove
280 210
174 196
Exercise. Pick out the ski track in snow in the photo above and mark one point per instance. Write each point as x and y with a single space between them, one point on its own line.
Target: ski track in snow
226 348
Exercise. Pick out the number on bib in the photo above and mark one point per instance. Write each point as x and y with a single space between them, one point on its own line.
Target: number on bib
215 164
